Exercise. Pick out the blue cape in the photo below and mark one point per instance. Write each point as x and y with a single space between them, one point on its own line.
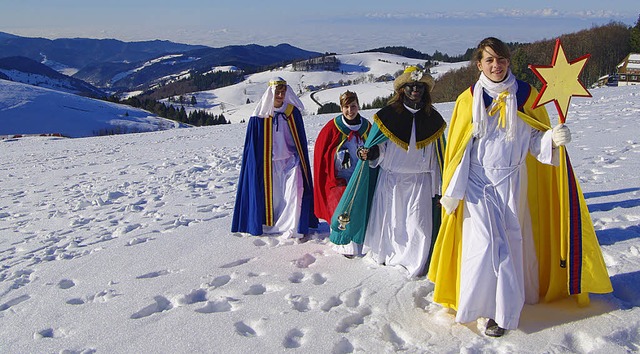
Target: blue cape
253 207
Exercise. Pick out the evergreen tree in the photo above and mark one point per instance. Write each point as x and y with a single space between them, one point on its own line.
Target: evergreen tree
330 107
634 39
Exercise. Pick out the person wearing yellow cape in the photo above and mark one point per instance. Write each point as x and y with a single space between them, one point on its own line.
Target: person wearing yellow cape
392 197
505 238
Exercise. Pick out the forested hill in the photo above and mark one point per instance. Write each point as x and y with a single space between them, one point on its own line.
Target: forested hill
608 45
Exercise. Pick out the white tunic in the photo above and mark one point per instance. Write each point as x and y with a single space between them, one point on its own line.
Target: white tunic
498 265
288 184
400 222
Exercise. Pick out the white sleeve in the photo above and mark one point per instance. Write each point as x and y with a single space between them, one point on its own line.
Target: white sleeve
541 147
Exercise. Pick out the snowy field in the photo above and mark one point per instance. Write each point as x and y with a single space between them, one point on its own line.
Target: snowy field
121 244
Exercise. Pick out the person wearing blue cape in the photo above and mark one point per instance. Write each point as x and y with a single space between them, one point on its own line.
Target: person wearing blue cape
275 189
391 201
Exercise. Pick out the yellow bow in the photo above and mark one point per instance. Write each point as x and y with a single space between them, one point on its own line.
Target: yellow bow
499 104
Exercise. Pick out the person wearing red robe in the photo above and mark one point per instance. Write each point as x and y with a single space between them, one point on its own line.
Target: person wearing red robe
335 160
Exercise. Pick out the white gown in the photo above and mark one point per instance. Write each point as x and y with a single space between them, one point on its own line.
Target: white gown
498 264
400 222
288 184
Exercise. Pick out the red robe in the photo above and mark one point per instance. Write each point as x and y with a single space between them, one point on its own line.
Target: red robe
328 188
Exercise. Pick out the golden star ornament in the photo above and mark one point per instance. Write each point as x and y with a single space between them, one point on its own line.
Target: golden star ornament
561 80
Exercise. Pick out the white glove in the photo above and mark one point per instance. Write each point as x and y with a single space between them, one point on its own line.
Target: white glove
449 204
561 135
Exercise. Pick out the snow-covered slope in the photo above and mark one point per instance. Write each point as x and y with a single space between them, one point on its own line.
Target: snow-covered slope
26 109
358 73
31 72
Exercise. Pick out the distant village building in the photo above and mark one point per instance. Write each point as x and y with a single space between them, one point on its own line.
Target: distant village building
627 73
629 70
322 63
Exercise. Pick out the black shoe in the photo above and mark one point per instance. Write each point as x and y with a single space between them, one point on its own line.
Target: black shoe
349 256
493 330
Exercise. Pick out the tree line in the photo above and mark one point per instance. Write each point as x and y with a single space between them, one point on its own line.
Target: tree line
415 54
197 117
195 82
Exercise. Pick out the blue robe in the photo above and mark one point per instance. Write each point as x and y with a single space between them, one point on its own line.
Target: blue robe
253 205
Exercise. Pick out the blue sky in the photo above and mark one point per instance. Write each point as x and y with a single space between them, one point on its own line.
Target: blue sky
330 25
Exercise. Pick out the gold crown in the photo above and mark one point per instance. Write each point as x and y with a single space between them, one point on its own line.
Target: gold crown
277 82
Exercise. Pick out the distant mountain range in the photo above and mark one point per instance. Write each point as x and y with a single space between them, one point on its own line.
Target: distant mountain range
117 66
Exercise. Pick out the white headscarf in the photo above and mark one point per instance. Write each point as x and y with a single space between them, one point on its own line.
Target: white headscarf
265 108
508 88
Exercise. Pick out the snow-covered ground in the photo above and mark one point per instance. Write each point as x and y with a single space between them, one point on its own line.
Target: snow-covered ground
121 244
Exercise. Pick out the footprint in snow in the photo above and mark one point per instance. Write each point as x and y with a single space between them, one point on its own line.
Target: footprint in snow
236 263
259 243
260 289
391 336
66 284
300 303
293 339
420 296
256 289
49 333
13 302
153 274
318 279
138 240
102 296
304 261
223 304
250 328
333 301
343 347
352 321
195 296
296 277
219 281
352 299
161 304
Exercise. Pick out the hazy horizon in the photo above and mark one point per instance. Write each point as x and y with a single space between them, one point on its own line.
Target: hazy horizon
334 26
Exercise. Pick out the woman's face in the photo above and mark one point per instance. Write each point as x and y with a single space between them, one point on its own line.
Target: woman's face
492 65
278 96
350 110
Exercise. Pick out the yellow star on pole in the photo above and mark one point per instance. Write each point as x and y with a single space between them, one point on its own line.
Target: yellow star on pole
560 81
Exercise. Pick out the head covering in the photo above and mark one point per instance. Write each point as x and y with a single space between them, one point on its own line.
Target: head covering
413 74
504 103
265 108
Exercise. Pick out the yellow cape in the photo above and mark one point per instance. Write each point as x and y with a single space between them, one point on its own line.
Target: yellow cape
569 256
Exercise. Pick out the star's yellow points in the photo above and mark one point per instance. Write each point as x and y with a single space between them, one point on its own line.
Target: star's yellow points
560 81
